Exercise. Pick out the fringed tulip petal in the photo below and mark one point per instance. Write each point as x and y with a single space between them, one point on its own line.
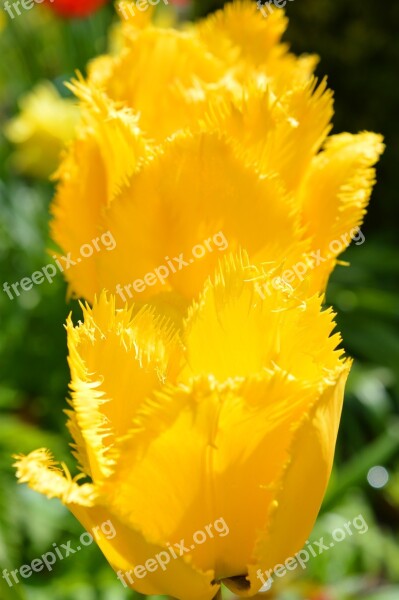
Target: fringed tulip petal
44 475
107 352
155 221
336 192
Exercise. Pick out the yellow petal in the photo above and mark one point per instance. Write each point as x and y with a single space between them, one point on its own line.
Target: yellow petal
270 129
303 484
115 362
244 333
129 549
159 63
45 476
337 189
239 32
249 45
101 159
172 206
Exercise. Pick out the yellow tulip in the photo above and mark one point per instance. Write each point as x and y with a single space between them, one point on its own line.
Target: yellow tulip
45 123
232 422
216 127
210 134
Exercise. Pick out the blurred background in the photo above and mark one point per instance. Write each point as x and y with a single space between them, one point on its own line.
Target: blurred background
358 42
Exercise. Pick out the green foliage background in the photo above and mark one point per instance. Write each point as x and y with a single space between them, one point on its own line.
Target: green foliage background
359 47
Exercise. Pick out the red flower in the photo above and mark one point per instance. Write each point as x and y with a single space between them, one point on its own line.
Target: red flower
75 8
